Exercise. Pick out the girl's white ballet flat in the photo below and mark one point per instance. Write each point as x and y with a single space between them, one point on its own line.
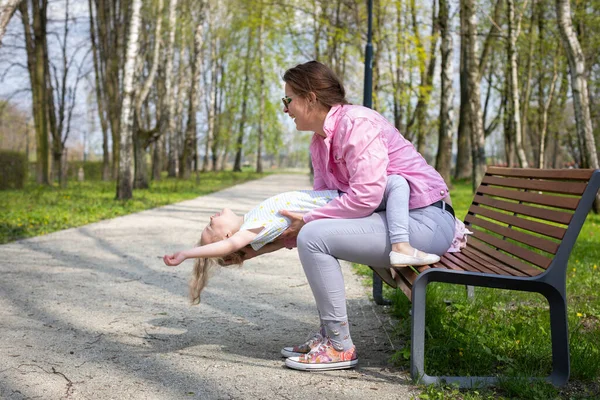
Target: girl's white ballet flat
403 260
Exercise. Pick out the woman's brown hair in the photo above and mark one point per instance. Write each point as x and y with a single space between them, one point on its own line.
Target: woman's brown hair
315 77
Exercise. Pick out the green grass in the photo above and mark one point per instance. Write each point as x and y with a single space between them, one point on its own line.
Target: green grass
38 210
507 333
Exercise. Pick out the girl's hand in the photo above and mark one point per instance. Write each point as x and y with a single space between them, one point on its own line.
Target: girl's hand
295 225
174 259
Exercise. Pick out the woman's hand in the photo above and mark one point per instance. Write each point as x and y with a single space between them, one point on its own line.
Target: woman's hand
295 225
174 259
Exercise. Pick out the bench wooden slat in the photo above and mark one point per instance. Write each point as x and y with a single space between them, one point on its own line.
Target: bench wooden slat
542 186
477 255
569 203
449 264
533 226
509 261
489 267
560 217
401 282
407 274
460 265
525 238
469 264
523 253
575 174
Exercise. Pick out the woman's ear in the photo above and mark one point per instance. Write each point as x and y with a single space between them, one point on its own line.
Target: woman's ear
312 99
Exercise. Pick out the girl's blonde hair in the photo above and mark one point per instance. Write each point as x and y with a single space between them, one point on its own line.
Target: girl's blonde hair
203 267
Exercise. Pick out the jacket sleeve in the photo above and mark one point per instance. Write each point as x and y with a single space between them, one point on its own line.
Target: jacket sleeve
317 161
366 157
318 181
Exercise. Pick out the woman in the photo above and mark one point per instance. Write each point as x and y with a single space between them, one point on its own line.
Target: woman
353 150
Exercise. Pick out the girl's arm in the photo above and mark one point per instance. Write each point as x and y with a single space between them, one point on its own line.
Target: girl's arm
218 249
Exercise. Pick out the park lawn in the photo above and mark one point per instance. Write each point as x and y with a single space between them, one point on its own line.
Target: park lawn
38 210
505 332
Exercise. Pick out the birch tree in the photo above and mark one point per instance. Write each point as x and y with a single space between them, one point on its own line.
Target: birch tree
515 109
7 9
170 97
474 91
579 87
125 177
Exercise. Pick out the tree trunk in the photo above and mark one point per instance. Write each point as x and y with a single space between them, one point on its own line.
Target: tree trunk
125 177
7 9
261 86
189 149
141 180
515 115
444 155
237 167
579 88
474 92
109 28
463 167
463 158
526 93
157 159
208 144
427 69
170 119
509 134
37 61
143 134
99 96
545 106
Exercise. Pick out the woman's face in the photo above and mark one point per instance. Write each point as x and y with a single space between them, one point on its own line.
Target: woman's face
298 109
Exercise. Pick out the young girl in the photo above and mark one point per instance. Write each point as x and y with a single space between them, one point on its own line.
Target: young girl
228 233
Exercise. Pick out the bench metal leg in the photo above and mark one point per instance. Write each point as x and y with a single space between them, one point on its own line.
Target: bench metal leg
558 324
559 331
378 291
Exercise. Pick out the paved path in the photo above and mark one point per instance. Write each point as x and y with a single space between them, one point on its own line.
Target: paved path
93 313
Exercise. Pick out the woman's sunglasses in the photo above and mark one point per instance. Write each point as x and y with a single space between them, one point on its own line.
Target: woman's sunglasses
286 101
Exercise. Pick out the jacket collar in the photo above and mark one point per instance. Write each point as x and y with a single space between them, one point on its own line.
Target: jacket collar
331 119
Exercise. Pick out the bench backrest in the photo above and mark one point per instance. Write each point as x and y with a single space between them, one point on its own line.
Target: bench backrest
524 220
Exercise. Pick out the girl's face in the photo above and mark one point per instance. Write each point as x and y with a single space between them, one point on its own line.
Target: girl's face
221 226
298 109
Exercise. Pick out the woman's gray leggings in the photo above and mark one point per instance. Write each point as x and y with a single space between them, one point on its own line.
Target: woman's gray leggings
323 242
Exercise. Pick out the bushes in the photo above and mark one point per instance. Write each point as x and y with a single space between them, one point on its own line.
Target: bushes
92 170
13 170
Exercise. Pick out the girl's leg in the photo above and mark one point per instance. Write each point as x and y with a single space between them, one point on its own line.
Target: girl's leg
395 202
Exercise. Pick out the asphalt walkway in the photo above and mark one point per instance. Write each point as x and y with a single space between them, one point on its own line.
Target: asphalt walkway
93 313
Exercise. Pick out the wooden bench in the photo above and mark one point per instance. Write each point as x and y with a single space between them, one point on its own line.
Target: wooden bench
514 211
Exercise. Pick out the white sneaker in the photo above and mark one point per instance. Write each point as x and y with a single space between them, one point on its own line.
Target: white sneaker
403 260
